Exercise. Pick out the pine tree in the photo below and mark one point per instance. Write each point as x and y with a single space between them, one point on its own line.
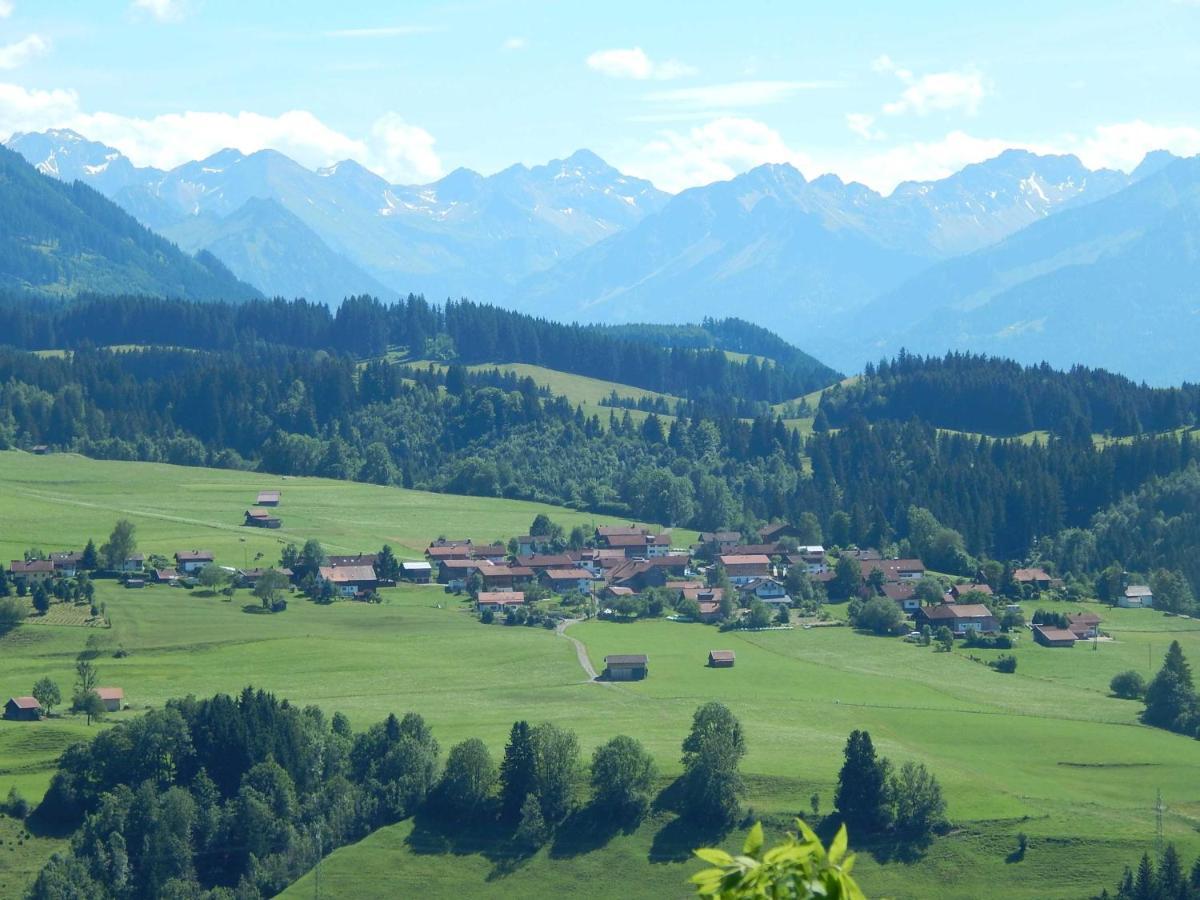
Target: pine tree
1170 696
518 771
861 797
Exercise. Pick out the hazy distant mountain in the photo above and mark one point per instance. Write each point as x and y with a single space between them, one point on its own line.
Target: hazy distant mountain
462 235
64 239
1113 284
771 245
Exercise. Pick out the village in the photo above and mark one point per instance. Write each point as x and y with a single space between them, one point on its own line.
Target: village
622 573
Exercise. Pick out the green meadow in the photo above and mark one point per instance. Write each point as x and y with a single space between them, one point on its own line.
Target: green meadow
1045 751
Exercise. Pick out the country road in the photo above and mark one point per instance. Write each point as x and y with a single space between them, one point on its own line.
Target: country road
580 650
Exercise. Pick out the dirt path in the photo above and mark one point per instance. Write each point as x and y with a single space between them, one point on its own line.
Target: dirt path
585 662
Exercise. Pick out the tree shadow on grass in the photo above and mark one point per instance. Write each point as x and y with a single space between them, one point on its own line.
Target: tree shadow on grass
481 834
585 830
255 609
899 848
678 839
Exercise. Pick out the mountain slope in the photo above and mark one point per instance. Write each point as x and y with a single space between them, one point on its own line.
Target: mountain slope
794 248
265 245
464 234
1113 284
65 239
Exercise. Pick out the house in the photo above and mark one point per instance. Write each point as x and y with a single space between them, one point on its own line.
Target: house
562 581
771 549
454 572
612 592
540 562
267 498
658 545
1084 625
494 553
710 610
743 568
22 709
112 697
811 557
249 577
1136 596
496 578
358 559
39 449
350 581
134 563
626 667
776 531
720 659
640 574
958 617
191 561
894 569
604 532
721 541
527 544
768 590
635 546
416 572
903 595
1049 636
66 563
1036 578
260 518
165 576
498 601
456 551
33 570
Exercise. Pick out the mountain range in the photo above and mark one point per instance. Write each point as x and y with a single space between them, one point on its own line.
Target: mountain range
1035 256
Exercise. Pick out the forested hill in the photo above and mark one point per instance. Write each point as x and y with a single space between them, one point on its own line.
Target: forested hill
462 332
1000 397
63 239
736 335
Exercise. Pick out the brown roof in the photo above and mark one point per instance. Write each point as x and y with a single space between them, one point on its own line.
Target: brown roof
449 552
567 574
545 560
489 550
520 571
708 607
268 496
465 564
774 529
611 530
194 556
891 568
626 540
966 588
682 585
25 702
165 574
348 574
110 693
501 597
257 514
359 559
626 659
752 559
1055 634
958 611
756 549
619 591
1022 575
721 655
20 566
898 591
1088 619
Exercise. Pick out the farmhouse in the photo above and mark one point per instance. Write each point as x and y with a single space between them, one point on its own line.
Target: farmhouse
710 610
958 617
1049 636
456 551
562 581
811 557
1136 596
66 563
112 697
721 541
260 518
191 561
495 578
134 563
540 562
894 569
768 590
625 667
454 572
165 576
416 572
358 559
635 546
744 568
777 531
721 659
350 581
33 570
1084 625
903 595
497 601
961 590
22 709
1035 578
267 498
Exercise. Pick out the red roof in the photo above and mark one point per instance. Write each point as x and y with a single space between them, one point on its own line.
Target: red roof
501 597
26 702
110 693
449 552
568 574
19 566
752 559
1055 634
1026 575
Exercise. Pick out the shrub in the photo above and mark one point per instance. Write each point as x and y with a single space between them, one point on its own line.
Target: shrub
1128 685
1006 664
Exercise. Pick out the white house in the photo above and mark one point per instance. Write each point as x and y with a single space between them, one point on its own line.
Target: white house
1137 596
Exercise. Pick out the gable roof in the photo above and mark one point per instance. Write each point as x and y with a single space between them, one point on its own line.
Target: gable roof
501 597
568 574
268 497
1138 590
750 559
194 556
110 693
348 574
1051 633
1034 574
20 566
721 655
25 702
626 659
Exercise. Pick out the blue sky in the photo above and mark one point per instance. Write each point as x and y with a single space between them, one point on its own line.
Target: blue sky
682 93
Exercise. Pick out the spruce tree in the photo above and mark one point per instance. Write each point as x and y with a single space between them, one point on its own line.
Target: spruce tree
518 770
861 797
1170 696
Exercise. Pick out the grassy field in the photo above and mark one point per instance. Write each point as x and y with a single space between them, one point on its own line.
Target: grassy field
1045 751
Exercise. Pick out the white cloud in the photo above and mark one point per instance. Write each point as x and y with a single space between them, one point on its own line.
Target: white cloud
863 124
160 10
6 8
1122 145
395 149
16 55
735 94
715 151
634 63
963 89
515 43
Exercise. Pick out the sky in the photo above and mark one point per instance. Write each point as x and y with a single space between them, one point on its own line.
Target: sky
681 93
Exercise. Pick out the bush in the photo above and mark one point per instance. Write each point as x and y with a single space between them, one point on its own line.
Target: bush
1006 664
16 805
1128 685
997 642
